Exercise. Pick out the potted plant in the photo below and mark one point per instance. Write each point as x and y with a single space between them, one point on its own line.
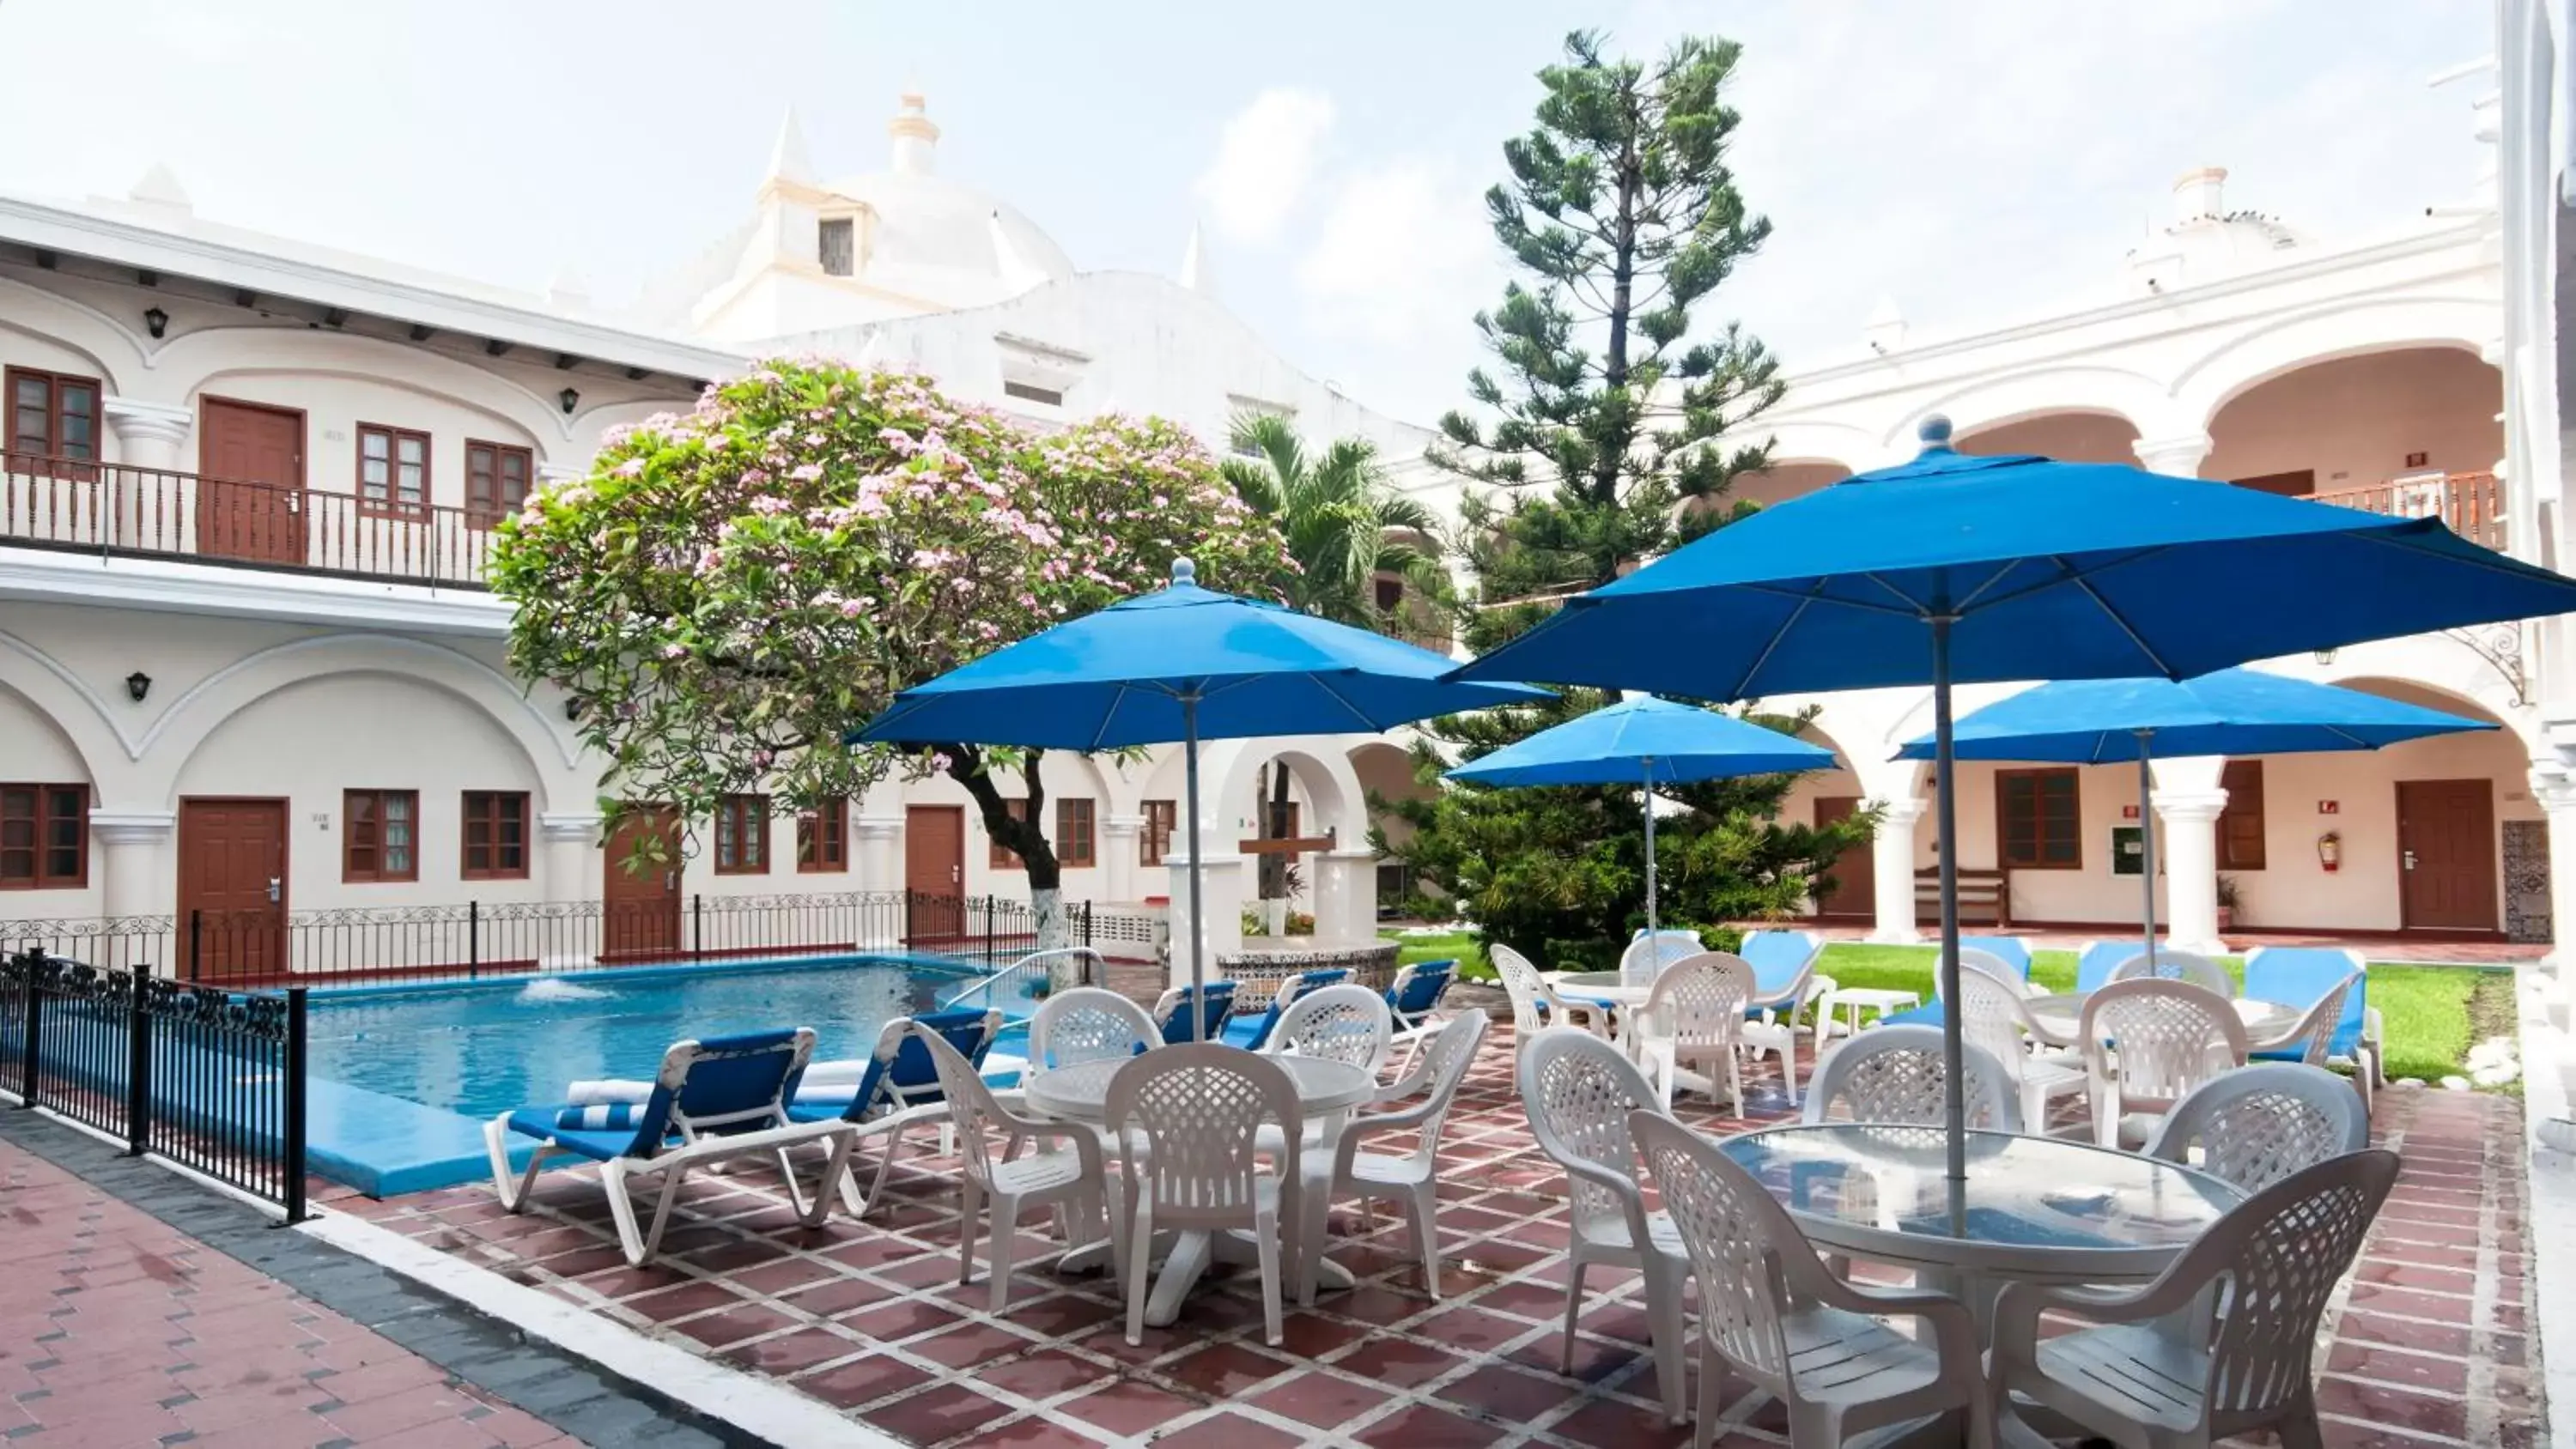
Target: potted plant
2227 902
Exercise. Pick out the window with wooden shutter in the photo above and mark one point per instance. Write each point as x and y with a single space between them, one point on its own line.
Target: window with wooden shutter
495 829
823 838
393 471
1162 817
496 481
44 837
2039 815
1076 846
379 836
1002 856
53 418
2240 825
742 835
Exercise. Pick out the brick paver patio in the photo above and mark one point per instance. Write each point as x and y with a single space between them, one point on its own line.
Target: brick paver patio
117 1330
2430 1350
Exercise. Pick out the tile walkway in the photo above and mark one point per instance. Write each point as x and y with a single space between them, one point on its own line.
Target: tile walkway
2430 1351
2420 947
117 1329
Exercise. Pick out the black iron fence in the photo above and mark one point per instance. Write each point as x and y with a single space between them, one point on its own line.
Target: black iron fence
210 1079
250 949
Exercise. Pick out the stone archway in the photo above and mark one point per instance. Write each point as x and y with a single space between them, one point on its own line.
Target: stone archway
1385 772
2074 436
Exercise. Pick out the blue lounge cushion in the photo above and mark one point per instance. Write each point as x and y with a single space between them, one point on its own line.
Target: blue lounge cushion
541 1123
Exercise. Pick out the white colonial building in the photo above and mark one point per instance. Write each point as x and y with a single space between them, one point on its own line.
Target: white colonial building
245 657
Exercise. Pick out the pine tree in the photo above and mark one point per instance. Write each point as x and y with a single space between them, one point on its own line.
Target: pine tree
1601 447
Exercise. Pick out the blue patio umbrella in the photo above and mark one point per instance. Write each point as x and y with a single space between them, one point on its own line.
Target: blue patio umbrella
2231 712
1181 665
1646 741
1954 568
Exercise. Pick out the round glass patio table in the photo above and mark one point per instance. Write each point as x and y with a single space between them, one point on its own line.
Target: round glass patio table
2033 1209
1326 1090
2059 1017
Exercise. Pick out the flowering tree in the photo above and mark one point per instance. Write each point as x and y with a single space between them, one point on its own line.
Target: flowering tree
731 590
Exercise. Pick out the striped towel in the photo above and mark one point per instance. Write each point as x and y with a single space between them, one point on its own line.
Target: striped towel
601 1117
592 1094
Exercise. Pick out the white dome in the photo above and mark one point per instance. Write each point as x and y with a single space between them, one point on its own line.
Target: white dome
948 242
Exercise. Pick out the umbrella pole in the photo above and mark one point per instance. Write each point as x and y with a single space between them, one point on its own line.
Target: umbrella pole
1650 847
1945 817
2147 840
1198 880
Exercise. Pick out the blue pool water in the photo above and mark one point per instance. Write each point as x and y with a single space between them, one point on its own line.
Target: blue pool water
403 1078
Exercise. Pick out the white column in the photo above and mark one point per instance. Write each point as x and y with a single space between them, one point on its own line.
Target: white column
1892 871
2555 790
572 867
149 435
1119 835
2187 835
2179 456
1223 878
135 874
1345 896
880 852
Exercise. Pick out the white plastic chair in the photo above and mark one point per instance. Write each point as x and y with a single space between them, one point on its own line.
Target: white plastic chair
2312 1037
1535 1003
1578 1091
1894 1075
2169 964
1345 1023
2150 1374
1188 1120
1972 959
1992 1016
1775 1030
2147 1043
1770 1311
1087 1024
1413 1177
1070 1178
1694 1014
1650 952
2259 1124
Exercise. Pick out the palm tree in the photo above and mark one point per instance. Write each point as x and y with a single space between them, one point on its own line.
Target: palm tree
1336 511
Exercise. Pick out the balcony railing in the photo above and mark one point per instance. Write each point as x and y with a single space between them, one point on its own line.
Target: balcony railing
111 509
2471 503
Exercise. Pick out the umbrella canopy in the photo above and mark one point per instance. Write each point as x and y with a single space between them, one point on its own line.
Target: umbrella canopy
1649 739
2231 712
2049 571
1180 665
1957 568
1649 742
1128 674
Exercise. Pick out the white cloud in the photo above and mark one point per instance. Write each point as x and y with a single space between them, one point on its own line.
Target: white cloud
1265 158
1403 257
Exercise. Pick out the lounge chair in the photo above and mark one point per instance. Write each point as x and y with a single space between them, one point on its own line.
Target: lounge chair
1172 1014
2301 976
899 1089
1253 1032
1412 1000
713 1101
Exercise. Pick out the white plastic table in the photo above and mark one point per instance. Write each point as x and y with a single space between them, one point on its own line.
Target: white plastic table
2059 1017
2033 1209
1852 1000
1327 1091
1603 988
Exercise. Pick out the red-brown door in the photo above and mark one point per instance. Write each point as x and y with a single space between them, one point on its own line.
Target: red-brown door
639 892
2446 854
1855 871
250 501
232 888
934 869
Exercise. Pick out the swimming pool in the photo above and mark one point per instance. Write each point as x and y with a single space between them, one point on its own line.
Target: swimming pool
403 1077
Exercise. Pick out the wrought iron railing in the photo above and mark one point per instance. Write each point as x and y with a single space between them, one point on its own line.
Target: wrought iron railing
109 508
269 947
213 1080
2472 504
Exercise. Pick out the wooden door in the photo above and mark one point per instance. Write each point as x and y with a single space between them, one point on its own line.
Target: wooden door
2446 844
250 499
640 906
232 889
934 870
1855 871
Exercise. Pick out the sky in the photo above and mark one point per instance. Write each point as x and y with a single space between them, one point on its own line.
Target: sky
1974 161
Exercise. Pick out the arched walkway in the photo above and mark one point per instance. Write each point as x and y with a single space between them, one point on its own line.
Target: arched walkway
2072 436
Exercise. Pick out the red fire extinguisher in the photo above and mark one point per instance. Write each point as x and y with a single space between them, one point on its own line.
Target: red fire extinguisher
2330 851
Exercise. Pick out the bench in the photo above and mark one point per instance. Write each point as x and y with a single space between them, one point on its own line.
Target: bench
1985 897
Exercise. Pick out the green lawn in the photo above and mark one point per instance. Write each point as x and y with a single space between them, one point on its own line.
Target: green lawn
2426 1010
1464 947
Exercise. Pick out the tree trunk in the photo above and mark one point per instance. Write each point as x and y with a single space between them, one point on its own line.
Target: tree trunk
1023 835
1055 928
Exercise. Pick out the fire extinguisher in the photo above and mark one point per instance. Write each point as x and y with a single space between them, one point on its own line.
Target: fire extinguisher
2330 851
